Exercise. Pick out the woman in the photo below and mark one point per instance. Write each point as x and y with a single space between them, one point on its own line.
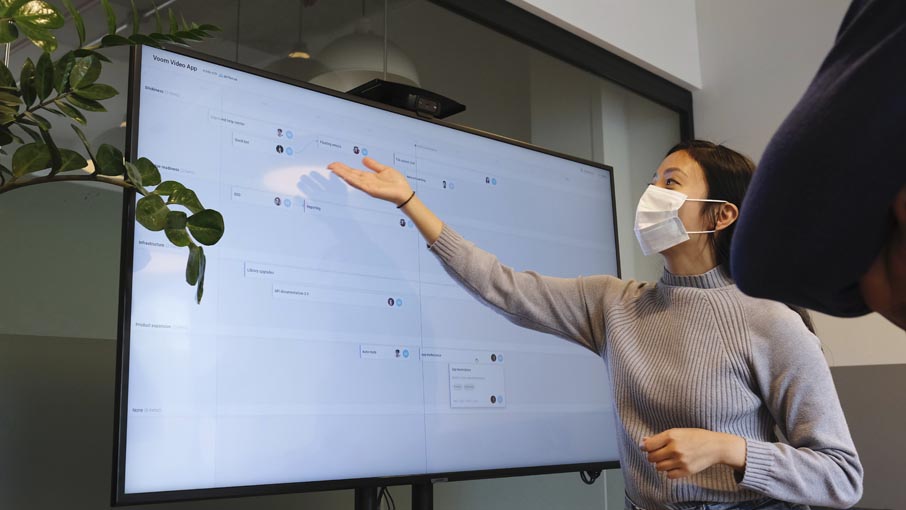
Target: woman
704 377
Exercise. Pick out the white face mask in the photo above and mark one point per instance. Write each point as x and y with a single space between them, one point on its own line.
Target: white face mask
657 224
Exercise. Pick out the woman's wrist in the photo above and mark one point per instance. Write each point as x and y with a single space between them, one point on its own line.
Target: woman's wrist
406 200
732 451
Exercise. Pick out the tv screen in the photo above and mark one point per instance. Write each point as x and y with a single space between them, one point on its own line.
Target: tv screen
331 350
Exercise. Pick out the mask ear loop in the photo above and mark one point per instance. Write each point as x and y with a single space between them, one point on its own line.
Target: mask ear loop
712 214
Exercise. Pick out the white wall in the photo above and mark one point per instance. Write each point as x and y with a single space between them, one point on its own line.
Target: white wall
659 35
757 58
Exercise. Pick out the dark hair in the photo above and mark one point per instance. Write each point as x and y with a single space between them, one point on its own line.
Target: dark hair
728 174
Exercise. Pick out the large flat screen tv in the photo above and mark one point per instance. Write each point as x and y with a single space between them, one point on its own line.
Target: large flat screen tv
331 350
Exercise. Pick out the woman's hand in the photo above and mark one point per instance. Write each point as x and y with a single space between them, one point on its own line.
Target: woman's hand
684 452
383 182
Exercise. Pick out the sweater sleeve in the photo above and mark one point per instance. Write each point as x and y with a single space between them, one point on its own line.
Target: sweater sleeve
826 180
571 308
818 463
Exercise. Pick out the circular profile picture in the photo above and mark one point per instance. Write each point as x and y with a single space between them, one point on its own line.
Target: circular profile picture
493 399
402 222
356 149
391 301
493 357
279 149
277 200
280 132
287 202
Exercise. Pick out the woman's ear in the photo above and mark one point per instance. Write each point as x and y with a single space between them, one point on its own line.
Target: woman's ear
726 215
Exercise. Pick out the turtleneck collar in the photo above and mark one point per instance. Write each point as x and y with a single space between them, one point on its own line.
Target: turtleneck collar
713 279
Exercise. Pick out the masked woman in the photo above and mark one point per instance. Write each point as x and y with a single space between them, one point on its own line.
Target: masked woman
723 400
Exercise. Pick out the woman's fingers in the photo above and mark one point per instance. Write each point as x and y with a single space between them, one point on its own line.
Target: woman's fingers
659 455
372 164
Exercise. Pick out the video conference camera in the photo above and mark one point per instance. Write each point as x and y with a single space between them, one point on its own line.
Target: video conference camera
421 101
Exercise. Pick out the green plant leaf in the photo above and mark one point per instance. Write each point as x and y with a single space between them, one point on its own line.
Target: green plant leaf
193 265
176 229
206 226
85 72
149 171
174 25
110 161
134 176
151 212
159 24
77 18
97 91
29 131
72 160
71 112
56 159
136 19
86 104
111 16
10 99
167 188
44 76
6 138
146 40
41 37
31 157
27 82
6 77
40 121
39 14
186 198
61 71
199 287
115 40
8 32
192 36
210 28
84 52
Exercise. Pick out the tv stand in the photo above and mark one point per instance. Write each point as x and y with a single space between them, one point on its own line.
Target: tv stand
423 495
366 498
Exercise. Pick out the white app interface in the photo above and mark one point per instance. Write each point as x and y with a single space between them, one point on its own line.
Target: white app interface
330 342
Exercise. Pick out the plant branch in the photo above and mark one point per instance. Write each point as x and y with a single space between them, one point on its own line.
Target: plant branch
16 183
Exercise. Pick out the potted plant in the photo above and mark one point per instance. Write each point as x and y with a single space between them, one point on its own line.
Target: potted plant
67 86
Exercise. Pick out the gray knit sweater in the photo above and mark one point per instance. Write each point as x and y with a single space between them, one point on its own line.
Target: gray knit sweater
690 351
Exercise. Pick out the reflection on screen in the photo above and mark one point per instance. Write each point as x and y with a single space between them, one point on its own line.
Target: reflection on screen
330 343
